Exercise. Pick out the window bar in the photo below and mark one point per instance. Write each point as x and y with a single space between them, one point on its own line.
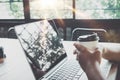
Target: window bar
73 9
26 10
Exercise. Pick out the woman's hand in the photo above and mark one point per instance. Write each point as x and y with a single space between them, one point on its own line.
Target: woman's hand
86 57
89 61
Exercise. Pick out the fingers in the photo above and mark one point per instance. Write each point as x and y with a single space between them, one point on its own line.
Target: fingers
77 54
79 47
97 55
97 51
85 55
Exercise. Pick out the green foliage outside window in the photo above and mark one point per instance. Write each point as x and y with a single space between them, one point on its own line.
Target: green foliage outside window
98 9
90 9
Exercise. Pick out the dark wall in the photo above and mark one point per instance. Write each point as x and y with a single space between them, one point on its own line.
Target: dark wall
111 26
66 26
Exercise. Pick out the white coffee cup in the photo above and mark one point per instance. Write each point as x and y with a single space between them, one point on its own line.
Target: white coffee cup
89 41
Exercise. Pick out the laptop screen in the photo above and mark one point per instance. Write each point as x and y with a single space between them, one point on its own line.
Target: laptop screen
41 43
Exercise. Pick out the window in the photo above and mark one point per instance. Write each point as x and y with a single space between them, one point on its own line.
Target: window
97 9
59 9
51 9
11 9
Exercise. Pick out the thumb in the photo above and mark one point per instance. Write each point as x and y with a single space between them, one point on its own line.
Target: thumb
79 47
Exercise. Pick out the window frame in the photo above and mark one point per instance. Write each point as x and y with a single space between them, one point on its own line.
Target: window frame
26 8
26 15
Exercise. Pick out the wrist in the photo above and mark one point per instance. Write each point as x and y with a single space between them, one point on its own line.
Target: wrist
93 72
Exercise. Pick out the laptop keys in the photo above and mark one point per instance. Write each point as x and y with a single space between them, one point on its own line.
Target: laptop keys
68 72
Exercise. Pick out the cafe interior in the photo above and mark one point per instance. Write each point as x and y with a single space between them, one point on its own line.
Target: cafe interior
70 17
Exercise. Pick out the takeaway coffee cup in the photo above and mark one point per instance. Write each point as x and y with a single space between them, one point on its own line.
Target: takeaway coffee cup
89 41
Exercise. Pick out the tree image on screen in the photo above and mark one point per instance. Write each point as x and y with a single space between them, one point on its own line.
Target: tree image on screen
42 44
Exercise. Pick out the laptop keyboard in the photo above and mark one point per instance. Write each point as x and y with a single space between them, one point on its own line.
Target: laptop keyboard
69 71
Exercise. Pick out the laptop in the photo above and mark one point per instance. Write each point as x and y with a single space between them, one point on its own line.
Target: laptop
44 48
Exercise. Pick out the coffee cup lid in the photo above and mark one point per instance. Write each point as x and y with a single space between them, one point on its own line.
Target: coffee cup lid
88 37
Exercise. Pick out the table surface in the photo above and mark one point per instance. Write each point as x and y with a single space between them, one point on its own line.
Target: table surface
16 66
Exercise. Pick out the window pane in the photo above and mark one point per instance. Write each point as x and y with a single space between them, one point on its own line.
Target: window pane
97 9
51 9
3 0
98 14
11 10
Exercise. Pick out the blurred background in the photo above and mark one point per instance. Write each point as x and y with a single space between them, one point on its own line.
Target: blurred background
66 14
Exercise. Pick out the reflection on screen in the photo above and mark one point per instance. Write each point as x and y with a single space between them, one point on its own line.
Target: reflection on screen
41 43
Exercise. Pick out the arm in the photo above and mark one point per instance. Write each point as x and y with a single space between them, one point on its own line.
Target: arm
94 73
111 52
89 61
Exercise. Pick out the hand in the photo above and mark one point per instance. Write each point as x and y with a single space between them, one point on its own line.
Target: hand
85 57
89 61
